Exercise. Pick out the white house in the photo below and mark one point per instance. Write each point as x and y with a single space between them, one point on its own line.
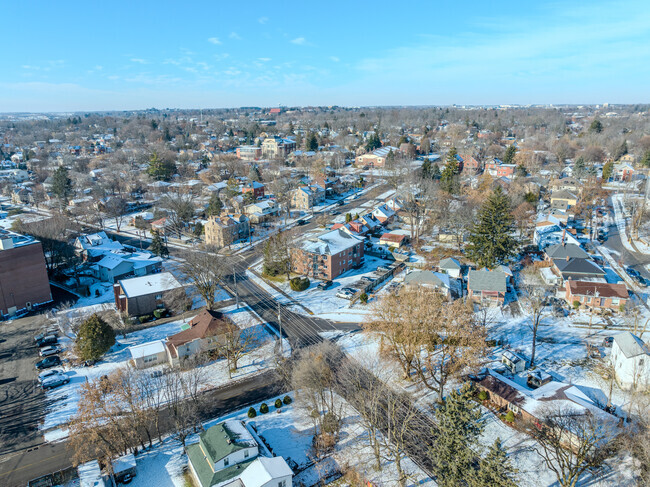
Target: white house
450 266
148 354
631 360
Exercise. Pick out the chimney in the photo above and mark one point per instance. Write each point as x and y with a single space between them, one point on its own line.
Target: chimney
563 236
567 258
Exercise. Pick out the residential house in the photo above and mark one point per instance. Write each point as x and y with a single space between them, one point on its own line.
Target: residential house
305 197
22 196
371 222
393 240
573 185
596 295
487 287
227 454
376 158
563 199
249 153
328 255
142 295
563 251
631 360
261 211
254 187
450 266
383 214
24 282
124 466
226 229
434 280
578 269
628 159
515 363
471 163
532 405
148 354
354 227
205 333
95 246
277 147
623 171
497 168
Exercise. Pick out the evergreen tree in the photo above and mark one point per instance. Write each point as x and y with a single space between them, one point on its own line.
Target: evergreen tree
596 126
491 240
94 339
214 205
426 169
312 142
254 173
509 156
277 260
459 427
495 468
435 172
374 142
608 170
61 184
198 229
579 167
645 162
348 217
449 176
158 246
159 169
621 150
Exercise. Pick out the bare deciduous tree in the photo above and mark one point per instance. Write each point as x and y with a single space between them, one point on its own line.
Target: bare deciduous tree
203 271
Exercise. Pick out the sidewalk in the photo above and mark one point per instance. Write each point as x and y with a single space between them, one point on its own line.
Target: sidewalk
276 288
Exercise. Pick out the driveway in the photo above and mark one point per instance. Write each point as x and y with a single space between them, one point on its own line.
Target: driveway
22 402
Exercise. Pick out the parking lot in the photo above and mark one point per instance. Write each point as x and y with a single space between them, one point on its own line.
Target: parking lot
22 402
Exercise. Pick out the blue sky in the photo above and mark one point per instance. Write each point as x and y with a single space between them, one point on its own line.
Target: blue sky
64 56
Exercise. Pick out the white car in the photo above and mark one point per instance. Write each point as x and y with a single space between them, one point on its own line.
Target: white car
55 381
48 373
47 351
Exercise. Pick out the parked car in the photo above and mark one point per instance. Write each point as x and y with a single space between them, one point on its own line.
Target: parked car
340 202
47 362
633 273
47 351
324 285
47 340
607 341
55 381
49 332
48 373
346 293
301 222
381 268
335 212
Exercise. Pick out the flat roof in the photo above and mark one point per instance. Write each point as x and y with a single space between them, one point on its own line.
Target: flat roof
153 283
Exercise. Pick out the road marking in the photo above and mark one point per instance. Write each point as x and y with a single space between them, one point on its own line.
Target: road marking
31 464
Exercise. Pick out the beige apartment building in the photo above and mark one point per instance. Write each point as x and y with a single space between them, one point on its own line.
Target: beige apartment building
225 229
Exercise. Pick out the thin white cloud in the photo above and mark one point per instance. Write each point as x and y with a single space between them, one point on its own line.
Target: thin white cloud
264 59
214 40
300 41
235 36
139 60
334 58
263 20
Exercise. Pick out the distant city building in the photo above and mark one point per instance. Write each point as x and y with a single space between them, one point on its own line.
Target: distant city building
376 158
249 153
277 147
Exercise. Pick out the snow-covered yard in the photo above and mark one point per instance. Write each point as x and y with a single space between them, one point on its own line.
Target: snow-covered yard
62 402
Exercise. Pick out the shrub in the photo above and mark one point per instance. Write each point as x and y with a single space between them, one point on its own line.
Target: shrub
363 298
94 339
264 408
144 318
278 403
576 304
299 283
286 400
159 313
510 417
252 413
483 395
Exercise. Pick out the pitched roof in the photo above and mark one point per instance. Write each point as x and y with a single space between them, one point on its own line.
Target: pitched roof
263 470
578 266
563 194
562 251
449 263
427 278
604 289
206 323
631 345
487 281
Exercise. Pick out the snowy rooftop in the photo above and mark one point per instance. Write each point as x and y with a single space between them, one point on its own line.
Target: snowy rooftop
124 463
146 349
140 286
263 470
331 243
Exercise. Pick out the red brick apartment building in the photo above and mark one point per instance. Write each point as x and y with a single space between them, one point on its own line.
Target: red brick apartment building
23 275
327 256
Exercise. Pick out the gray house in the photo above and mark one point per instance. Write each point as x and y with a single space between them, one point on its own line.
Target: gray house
487 287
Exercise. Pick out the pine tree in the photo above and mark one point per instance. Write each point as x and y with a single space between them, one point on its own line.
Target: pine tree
596 126
435 172
491 240
374 142
645 162
509 156
449 176
158 246
94 339
495 468
159 169
608 170
312 142
61 184
426 169
254 173
214 205
459 427
579 167
621 150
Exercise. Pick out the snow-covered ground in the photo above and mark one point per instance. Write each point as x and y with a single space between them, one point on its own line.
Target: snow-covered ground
325 303
561 350
63 401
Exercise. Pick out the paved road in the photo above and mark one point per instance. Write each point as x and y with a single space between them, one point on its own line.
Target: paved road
18 469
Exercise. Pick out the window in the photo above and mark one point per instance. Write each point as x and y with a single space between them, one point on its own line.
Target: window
513 408
226 462
282 483
246 453
158 296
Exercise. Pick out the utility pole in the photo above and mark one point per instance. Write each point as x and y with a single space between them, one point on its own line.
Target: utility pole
280 322
234 277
